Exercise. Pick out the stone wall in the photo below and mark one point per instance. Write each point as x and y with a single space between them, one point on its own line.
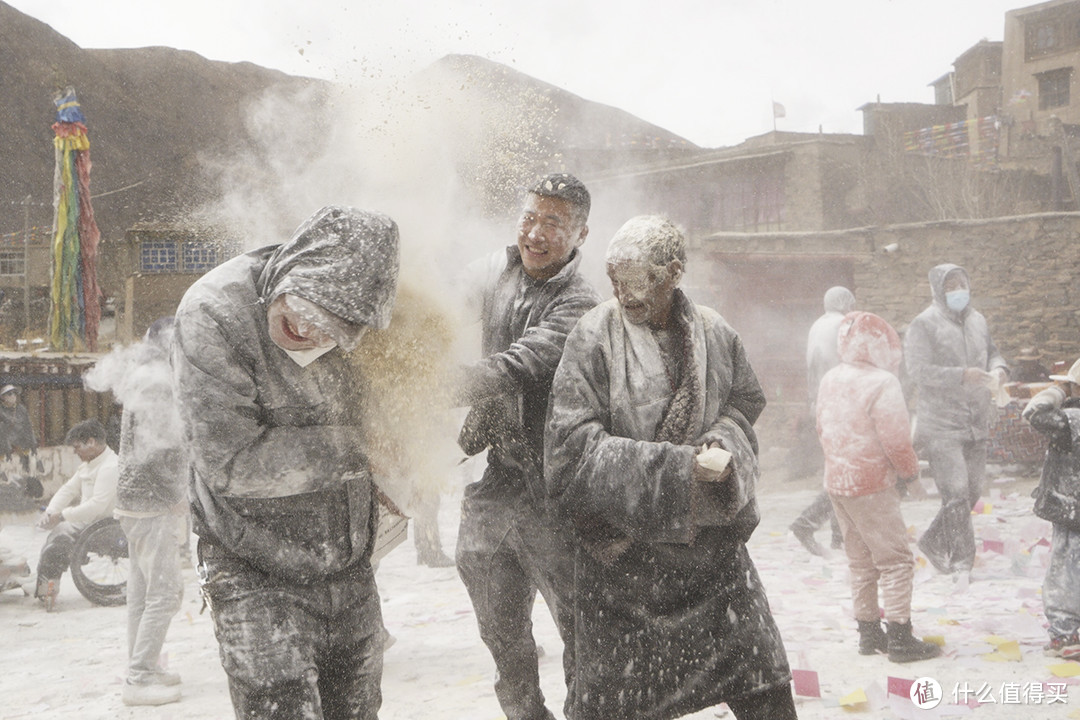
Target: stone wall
1025 271
1025 275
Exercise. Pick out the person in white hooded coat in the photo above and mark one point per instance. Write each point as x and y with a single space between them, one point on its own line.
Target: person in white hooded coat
952 360
821 356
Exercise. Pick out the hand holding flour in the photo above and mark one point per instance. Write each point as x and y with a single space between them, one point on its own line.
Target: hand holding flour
713 464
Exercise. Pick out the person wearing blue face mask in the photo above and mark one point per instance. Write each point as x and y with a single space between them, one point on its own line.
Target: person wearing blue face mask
954 365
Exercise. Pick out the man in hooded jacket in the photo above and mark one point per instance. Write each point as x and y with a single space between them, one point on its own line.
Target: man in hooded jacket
953 362
822 356
281 491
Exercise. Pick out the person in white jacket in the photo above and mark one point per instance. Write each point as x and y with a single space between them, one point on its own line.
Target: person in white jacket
88 496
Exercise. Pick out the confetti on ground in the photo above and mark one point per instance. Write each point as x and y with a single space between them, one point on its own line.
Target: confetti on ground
857 697
806 683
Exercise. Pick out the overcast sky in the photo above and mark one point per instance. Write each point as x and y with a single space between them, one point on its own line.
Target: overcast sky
708 70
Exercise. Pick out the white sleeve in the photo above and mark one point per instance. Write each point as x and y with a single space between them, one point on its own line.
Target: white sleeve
100 503
65 495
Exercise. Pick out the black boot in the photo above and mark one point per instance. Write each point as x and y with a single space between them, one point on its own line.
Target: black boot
903 647
805 535
872 638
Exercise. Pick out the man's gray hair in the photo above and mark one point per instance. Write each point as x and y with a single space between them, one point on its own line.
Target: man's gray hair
650 238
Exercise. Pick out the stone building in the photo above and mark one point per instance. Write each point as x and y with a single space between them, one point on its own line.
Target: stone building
154 266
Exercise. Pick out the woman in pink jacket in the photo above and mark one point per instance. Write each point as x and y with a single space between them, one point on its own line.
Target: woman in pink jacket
863 425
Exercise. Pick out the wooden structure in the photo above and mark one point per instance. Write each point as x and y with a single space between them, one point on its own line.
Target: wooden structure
51 388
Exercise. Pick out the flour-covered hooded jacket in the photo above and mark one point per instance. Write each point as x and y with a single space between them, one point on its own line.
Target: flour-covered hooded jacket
279 473
153 463
862 419
938 345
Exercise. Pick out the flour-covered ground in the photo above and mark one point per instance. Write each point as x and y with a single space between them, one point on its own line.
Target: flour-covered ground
69 664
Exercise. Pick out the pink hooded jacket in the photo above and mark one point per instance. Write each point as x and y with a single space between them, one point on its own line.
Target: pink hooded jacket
862 419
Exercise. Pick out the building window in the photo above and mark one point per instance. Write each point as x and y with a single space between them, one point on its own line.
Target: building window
178 256
1053 30
750 203
1054 88
1044 39
158 256
199 256
12 262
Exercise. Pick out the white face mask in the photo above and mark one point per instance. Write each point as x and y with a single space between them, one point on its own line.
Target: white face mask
957 300
303 358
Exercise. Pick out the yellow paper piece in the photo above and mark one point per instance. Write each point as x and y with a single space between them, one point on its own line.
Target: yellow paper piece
471 680
1007 650
1010 651
1068 669
854 698
988 508
938 640
947 621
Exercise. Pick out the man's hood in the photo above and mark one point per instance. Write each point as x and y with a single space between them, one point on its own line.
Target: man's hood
342 259
937 282
865 338
839 299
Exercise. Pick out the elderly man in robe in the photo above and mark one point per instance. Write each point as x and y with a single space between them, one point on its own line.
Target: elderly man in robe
670 615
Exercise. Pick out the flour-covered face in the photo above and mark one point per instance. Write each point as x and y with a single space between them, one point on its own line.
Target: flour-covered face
296 324
548 232
645 291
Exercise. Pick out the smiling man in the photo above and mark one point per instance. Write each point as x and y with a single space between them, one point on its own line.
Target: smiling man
281 489
508 548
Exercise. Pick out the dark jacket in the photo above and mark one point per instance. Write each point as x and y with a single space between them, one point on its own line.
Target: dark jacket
279 475
16 432
938 345
524 327
1057 498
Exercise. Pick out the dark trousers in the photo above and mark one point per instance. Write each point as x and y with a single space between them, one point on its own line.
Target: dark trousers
959 471
776 703
505 553
56 552
816 514
296 651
